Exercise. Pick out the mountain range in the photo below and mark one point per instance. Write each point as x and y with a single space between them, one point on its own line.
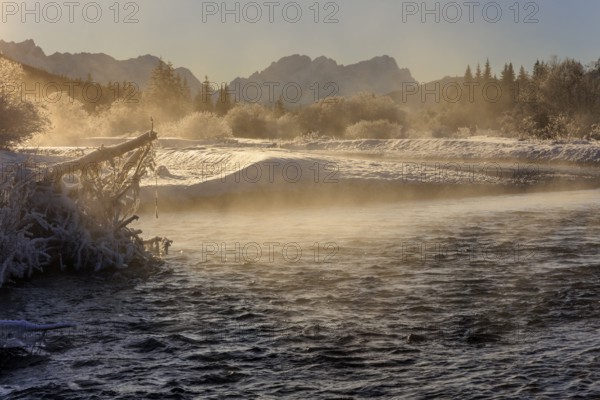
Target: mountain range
297 78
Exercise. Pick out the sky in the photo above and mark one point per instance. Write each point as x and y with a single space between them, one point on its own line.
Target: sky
227 39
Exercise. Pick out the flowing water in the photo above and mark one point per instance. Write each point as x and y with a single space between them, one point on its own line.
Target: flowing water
487 297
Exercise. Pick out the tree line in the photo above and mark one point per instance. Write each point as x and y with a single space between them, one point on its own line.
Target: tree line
557 99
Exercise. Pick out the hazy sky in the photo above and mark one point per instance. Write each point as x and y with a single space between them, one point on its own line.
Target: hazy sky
191 33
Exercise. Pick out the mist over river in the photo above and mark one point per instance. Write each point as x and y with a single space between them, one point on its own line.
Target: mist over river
484 297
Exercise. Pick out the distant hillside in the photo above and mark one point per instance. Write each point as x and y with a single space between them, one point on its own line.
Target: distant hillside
102 68
41 85
306 80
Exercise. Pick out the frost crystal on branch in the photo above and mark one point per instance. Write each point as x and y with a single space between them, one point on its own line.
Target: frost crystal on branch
45 224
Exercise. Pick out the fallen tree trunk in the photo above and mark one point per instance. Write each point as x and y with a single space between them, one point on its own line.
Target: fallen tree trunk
57 171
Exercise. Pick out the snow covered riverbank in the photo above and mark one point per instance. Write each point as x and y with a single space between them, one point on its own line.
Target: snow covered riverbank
474 148
189 170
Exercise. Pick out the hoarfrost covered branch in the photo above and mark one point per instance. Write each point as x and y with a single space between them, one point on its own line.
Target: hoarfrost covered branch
48 223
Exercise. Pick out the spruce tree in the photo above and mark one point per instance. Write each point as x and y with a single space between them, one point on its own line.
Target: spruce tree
468 74
203 101
468 90
223 104
522 86
165 91
487 72
539 70
507 81
523 76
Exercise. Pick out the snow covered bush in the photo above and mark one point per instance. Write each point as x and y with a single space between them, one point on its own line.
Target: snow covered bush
124 118
20 117
198 125
380 129
22 252
595 132
248 121
285 126
70 123
257 121
45 224
333 116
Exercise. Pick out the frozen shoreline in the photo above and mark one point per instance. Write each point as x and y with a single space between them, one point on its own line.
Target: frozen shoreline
190 170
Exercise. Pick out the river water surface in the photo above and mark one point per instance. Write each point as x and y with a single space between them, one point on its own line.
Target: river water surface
487 297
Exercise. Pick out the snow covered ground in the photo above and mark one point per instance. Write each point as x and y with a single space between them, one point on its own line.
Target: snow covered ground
191 169
473 148
195 169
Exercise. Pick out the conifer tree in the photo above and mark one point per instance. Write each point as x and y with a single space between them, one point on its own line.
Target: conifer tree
203 101
523 77
166 91
223 104
507 82
522 86
468 74
487 72
539 70
468 90
478 75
